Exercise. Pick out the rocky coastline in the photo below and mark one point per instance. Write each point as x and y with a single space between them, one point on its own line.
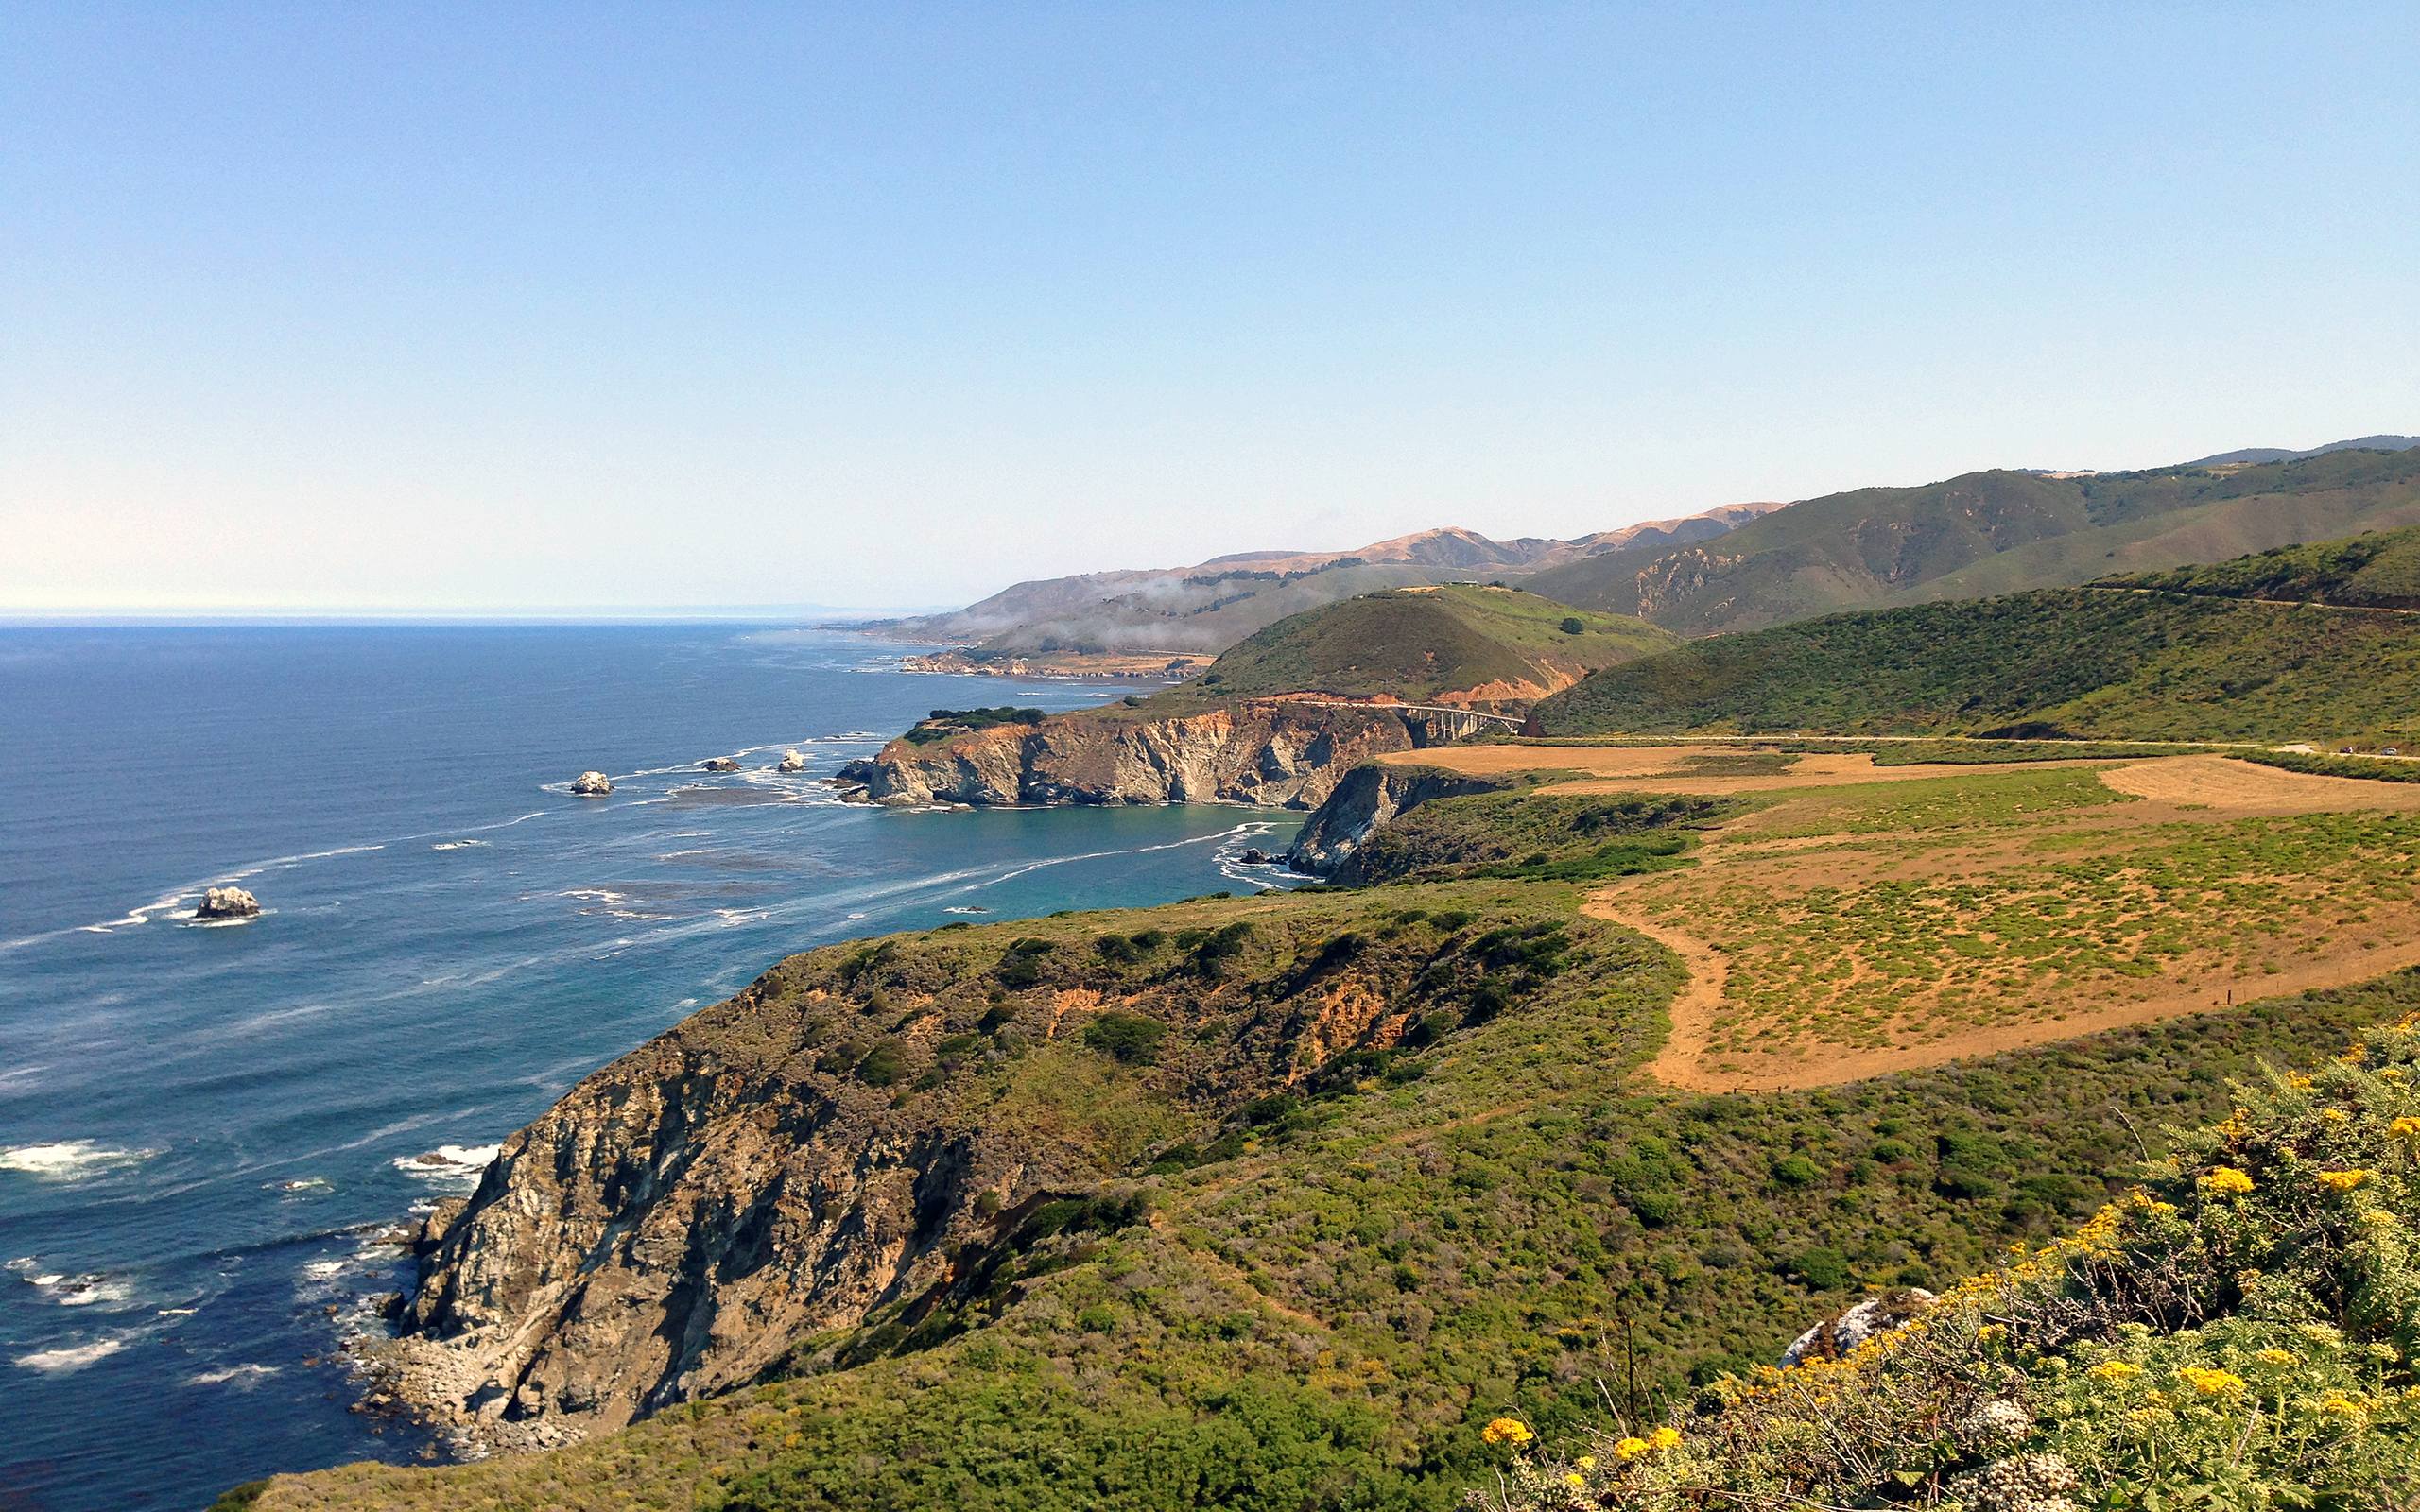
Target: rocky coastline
1276 753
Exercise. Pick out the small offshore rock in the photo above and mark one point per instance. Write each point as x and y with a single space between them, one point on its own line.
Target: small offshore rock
792 762
591 785
720 764
1255 856
228 902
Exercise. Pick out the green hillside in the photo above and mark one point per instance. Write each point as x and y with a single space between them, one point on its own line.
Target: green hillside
2079 662
1362 1170
2233 1333
2376 570
1419 643
1986 533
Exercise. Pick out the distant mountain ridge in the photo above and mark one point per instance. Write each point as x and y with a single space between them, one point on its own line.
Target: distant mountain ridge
2274 454
1997 531
1743 566
2301 645
1213 604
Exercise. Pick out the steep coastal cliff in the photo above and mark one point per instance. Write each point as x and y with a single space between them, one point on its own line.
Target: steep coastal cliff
864 1127
1366 798
1281 753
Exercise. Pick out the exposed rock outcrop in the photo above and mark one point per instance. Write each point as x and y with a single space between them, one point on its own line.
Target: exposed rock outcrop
792 762
228 902
1843 1332
780 1165
1277 752
591 785
720 764
1366 798
677 1222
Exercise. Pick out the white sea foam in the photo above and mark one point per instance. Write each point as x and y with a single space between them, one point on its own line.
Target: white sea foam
90 1290
242 1377
454 1164
458 845
955 908
69 1358
67 1159
172 901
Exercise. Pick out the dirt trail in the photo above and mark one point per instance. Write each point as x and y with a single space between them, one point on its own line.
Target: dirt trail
1660 768
2224 786
1693 1008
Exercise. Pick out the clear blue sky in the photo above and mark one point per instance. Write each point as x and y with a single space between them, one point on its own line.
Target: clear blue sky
470 305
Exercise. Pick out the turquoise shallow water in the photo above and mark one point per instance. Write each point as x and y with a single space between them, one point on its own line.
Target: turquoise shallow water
199 1126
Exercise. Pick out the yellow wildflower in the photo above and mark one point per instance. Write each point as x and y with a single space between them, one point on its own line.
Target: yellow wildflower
1586 1461
2226 1178
2210 1382
2342 1180
1507 1430
1664 1439
2276 1357
2336 1115
1630 1448
2379 1218
2115 1370
2340 1407
2405 1127
1576 1481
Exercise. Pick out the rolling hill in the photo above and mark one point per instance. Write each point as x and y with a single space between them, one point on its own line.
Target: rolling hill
1213 604
1461 643
1986 533
2376 570
2181 661
2279 453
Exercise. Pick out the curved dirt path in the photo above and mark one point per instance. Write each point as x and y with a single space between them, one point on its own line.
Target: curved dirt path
1693 1010
2221 785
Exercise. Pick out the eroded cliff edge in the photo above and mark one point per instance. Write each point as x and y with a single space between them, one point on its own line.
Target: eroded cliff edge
1281 753
862 1128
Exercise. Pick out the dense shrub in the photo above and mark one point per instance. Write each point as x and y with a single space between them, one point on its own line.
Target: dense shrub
2238 1332
1128 1037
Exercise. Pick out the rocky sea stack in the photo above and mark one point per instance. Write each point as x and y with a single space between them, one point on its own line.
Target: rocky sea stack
591 784
228 902
792 762
720 764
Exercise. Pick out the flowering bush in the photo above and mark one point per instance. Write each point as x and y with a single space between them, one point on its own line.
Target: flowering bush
2236 1333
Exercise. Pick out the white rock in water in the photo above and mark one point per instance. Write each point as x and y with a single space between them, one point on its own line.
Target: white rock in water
1839 1335
792 762
591 784
228 902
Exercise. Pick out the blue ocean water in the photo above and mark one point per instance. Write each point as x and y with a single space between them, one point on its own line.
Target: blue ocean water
203 1127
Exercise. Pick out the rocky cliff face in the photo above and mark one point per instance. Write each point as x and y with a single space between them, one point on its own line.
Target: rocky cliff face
673 1224
1276 752
860 1127
1366 798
